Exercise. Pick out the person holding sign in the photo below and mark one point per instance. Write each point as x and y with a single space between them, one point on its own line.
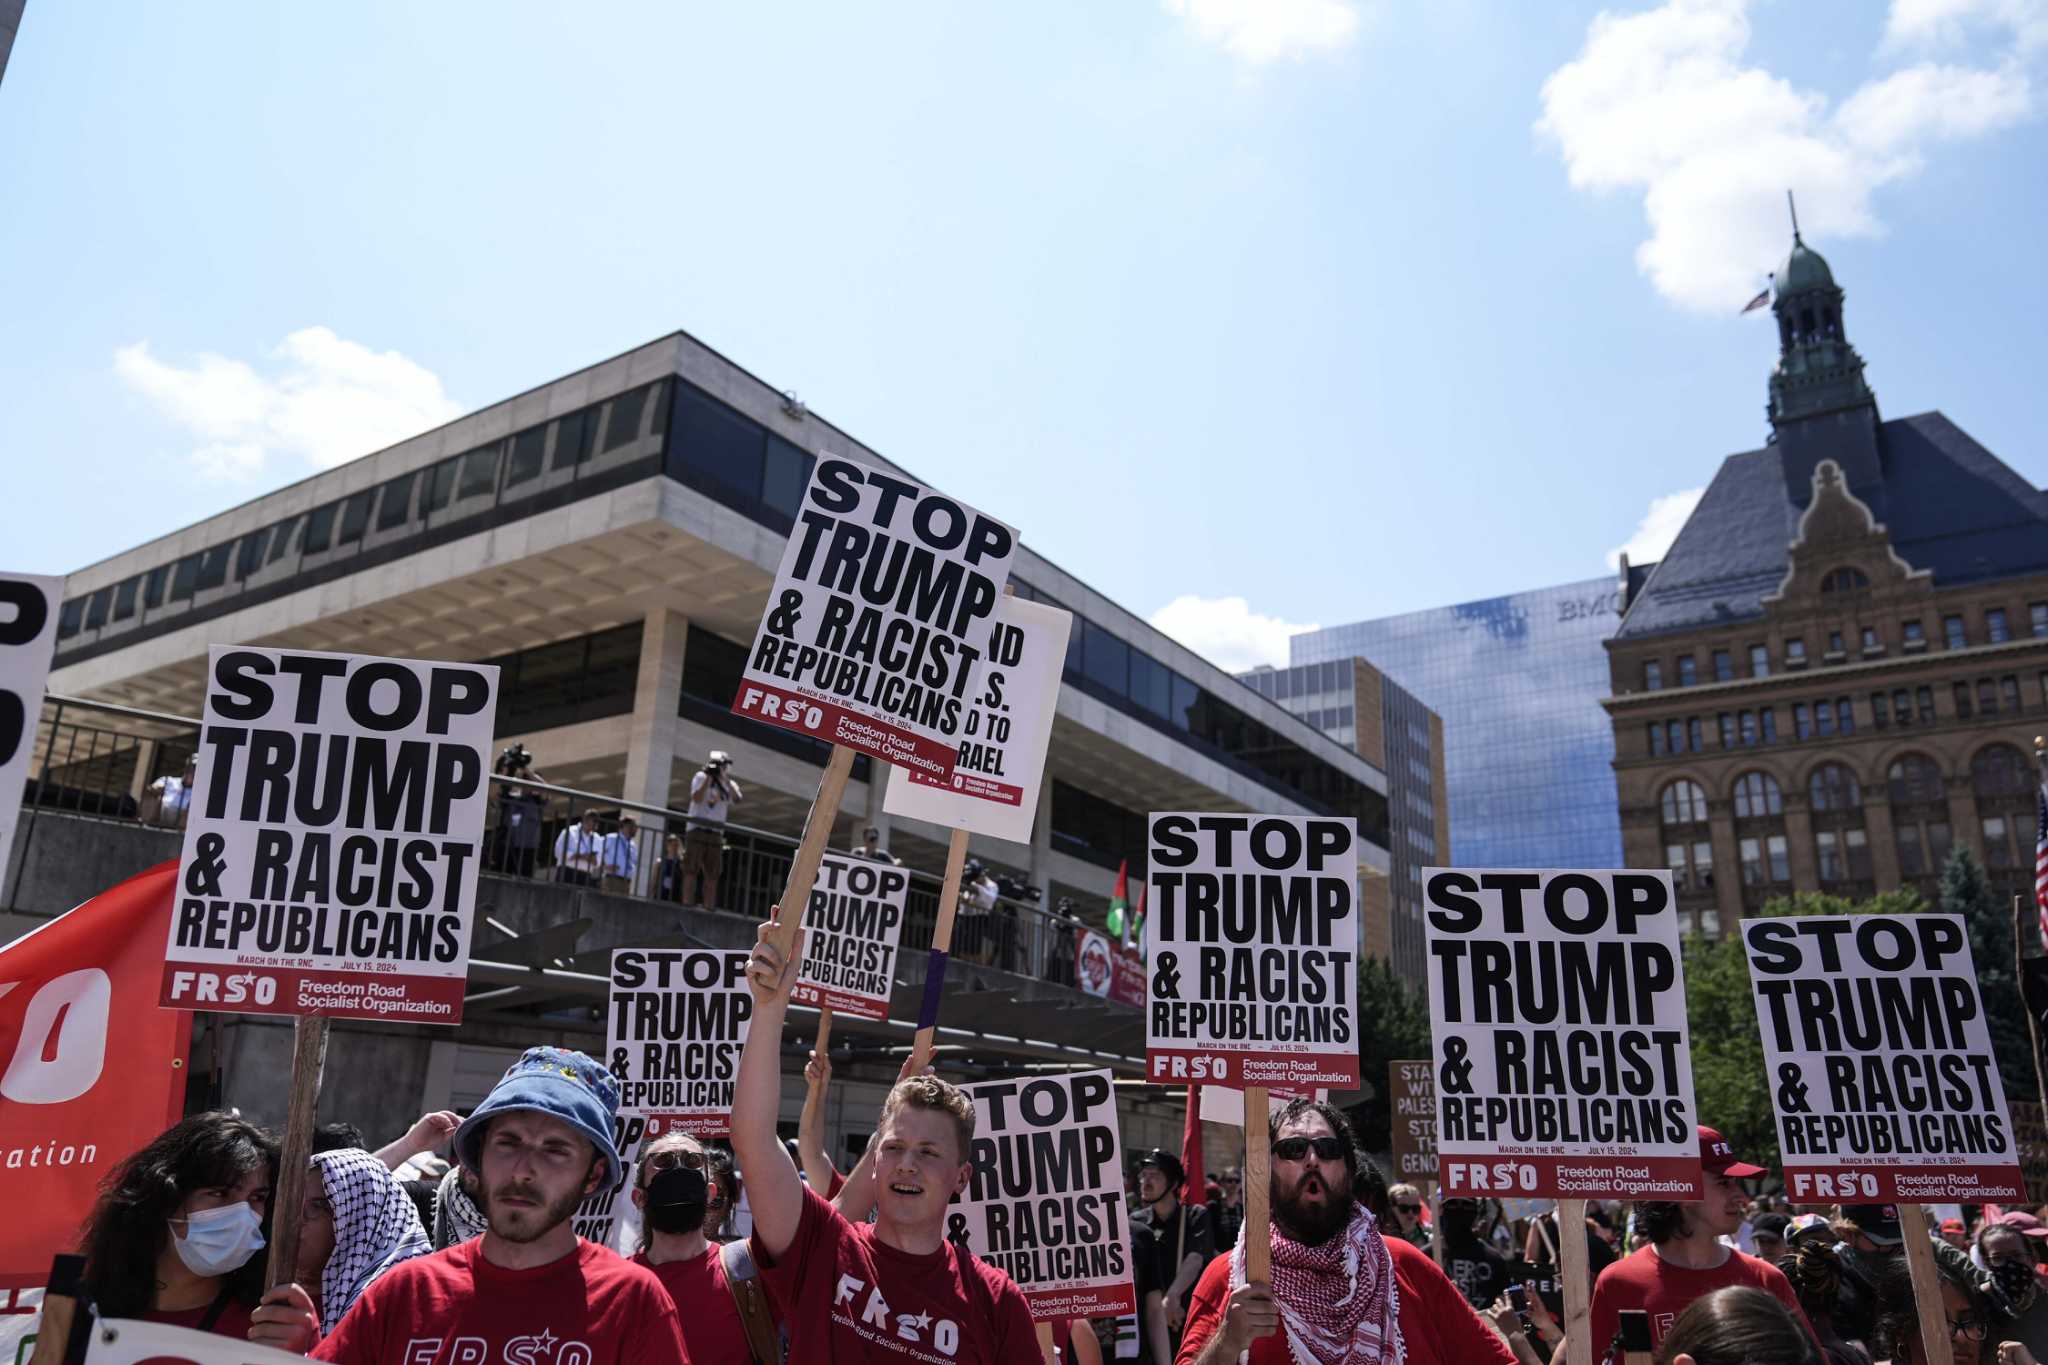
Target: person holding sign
1341 1294
529 1288
1685 1258
893 1291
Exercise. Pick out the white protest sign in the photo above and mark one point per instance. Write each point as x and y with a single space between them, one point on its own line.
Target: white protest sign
873 633
850 936
1557 1018
1219 1104
1252 943
602 1214
1000 761
127 1341
1879 1060
1045 1197
333 839
675 1023
28 636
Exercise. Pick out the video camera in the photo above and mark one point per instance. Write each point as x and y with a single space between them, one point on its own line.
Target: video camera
514 761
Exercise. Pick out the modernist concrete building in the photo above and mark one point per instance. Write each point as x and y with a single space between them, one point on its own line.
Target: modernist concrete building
1836 673
608 539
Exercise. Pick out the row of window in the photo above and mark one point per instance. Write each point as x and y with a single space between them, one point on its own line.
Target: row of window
1898 707
1997 772
1913 637
1843 855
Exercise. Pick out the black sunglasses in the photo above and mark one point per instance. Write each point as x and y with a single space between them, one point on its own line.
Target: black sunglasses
1298 1148
1409 1208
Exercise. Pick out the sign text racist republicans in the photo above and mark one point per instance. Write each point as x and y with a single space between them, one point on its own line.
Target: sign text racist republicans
676 1020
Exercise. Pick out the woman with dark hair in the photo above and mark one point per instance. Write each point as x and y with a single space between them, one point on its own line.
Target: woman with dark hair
1737 1326
175 1235
1969 1320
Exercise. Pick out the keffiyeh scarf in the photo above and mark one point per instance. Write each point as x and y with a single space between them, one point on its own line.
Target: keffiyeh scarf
1338 1303
456 1216
376 1225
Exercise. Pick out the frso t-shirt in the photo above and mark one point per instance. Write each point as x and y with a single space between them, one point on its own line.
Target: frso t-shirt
848 1297
1645 1280
591 1307
710 1319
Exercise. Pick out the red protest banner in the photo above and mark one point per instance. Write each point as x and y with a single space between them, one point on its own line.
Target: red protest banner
71 1108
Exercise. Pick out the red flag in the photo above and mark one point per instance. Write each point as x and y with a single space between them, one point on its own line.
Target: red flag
1191 1147
72 1107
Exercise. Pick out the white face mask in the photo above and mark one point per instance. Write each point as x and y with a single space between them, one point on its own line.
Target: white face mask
216 1241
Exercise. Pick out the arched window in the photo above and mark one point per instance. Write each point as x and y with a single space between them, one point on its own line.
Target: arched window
1688 849
1844 580
1919 801
1834 788
1758 796
2002 780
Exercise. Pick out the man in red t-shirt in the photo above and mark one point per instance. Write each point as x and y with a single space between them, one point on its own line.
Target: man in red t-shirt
1342 1294
671 1189
529 1287
1686 1258
893 1291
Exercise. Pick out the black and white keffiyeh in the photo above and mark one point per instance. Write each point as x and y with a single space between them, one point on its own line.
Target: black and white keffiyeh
456 1216
376 1225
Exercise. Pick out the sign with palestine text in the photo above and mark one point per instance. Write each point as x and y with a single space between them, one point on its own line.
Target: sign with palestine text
1252 946
675 1022
333 837
1411 1093
28 636
1879 1060
1557 1018
873 634
850 936
1045 1195
999 763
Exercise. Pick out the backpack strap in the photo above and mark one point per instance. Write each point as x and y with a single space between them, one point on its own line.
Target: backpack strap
764 1339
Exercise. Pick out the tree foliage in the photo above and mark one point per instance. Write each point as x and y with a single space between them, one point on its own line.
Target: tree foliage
1393 1026
1967 892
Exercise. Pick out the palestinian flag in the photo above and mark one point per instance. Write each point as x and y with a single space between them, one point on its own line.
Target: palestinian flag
1137 939
1119 904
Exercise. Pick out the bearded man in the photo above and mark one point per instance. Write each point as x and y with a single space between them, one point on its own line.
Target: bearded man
1341 1294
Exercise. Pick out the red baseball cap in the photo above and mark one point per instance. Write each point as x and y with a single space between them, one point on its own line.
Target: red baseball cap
1717 1157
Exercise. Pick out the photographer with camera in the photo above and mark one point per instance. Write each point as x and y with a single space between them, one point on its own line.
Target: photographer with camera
516 847
712 795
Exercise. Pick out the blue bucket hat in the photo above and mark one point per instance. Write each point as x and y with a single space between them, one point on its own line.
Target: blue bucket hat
561 1084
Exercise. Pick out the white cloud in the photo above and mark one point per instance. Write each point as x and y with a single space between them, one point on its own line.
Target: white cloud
1226 631
1658 528
1664 102
1259 31
1948 23
326 401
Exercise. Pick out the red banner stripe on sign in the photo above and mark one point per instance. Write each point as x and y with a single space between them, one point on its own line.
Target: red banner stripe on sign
1934 1185
72 1107
396 998
1179 1066
1555 1177
822 719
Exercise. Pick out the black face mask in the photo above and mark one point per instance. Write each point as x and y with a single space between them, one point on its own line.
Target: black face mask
675 1200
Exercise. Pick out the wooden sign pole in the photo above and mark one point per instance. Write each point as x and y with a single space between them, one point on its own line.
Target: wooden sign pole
1045 1346
1258 1186
1935 1341
803 866
1573 1270
942 947
295 1159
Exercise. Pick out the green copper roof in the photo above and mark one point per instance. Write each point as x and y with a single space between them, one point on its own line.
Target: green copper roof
1804 269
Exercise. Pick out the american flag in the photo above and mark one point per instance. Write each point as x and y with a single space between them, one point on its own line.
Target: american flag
2041 861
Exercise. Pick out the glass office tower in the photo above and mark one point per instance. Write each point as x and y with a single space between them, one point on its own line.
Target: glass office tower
1517 680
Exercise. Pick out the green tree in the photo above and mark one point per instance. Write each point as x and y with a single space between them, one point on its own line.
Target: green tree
1728 1076
1967 892
1393 1026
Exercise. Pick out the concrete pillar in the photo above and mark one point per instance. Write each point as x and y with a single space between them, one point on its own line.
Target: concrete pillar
1799 836
138 781
878 788
651 750
1884 850
1040 866
1963 825
1727 866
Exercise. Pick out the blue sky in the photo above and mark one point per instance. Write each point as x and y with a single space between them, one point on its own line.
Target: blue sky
1337 307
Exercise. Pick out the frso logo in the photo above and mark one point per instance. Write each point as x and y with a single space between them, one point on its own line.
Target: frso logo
63 1043
916 1328
542 1348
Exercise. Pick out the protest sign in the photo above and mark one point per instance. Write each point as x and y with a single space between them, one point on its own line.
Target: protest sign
332 844
872 636
602 1215
28 635
129 1341
1411 1094
999 761
1253 944
1105 970
1219 1104
1557 1016
1044 1200
75 1097
1879 1059
850 936
675 1023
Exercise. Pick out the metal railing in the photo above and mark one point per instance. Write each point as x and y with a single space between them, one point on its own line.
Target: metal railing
534 830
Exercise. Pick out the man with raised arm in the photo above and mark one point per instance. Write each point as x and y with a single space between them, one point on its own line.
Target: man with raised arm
892 1291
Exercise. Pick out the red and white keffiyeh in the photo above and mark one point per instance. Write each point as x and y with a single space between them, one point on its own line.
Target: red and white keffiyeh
1338 1303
